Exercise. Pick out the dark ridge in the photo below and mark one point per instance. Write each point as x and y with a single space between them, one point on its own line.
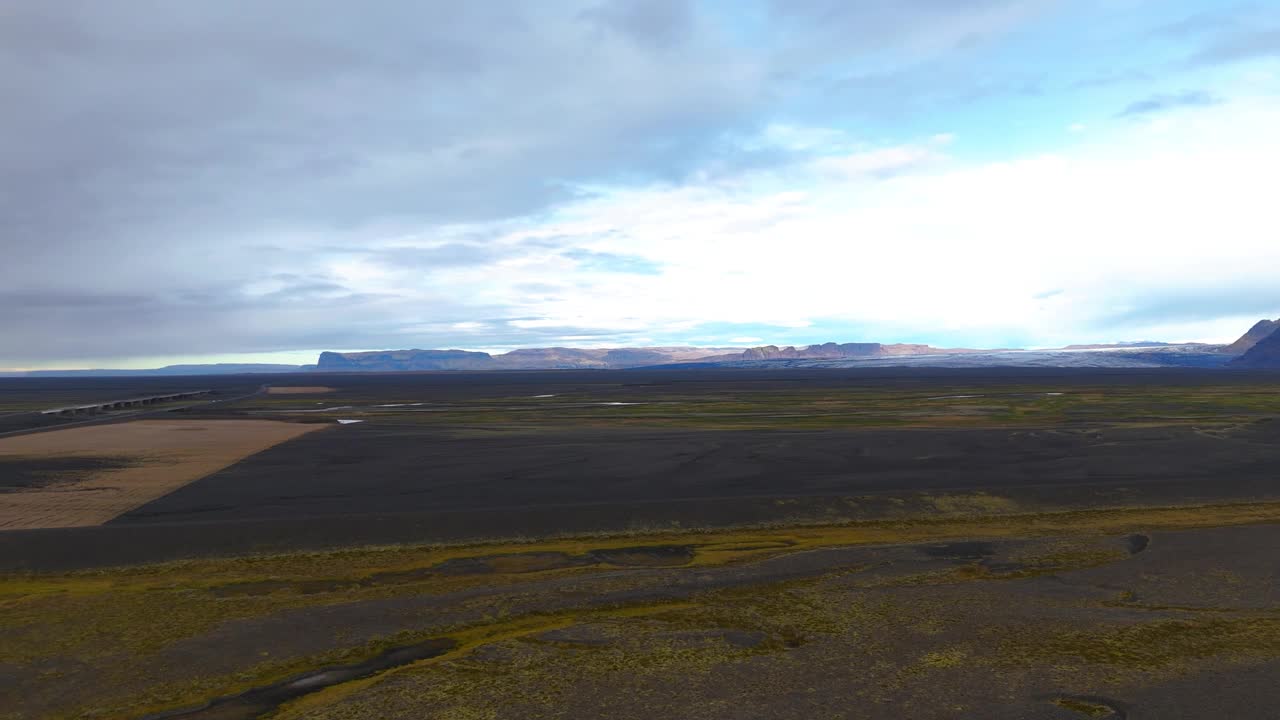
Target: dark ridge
1256 334
1264 355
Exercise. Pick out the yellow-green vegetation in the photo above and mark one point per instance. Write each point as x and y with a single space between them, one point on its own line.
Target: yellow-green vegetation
1216 408
675 642
946 658
120 617
1084 707
1153 645
1069 553
652 654
184 595
970 503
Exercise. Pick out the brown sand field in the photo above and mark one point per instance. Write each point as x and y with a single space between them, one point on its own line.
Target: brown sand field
149 459
299 390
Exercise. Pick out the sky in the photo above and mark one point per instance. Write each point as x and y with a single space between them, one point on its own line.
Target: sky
241 181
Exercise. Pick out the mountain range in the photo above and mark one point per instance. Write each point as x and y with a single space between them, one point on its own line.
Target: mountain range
1131 354
554 358
578 358
1257 348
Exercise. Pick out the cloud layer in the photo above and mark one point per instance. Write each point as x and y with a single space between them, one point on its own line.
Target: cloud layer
218 178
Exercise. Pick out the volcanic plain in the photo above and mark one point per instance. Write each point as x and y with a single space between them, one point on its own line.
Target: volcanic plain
615 544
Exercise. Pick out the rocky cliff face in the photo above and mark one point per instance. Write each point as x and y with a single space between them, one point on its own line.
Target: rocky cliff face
1265 354
1257 333
570 358
405 360
557 358
825 351
561 358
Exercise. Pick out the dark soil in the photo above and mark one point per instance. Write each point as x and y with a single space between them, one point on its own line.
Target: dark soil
22 473
971 550
381 468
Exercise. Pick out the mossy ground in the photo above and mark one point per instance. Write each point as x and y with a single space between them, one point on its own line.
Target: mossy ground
121 617
890 648
1084 707
1218 407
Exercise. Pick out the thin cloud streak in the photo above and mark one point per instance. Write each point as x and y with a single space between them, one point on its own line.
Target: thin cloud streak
1165 102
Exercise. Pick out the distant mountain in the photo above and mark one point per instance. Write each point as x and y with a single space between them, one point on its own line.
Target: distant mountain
1185 356
1125 345
825 351
555 358
216 369
1257 333
1264 354
1146 354
403 360
563 358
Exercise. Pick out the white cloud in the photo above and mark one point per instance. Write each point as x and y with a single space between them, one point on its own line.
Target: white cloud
872 162
1130 233
936 248
796 137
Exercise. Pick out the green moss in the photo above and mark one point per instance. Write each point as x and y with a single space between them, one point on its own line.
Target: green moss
1088 709
834 408
1152 645
125 615
945 658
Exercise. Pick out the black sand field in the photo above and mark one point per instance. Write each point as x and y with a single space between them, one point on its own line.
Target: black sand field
483 456
374 468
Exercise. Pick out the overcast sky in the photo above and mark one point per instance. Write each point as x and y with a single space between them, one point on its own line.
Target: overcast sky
243 180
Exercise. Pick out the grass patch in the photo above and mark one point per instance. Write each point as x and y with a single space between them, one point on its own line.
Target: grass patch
1084 707
1152 646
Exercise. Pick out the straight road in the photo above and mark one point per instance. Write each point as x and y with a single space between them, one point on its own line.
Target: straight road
129 415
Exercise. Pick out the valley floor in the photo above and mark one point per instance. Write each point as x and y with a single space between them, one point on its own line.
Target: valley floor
700 545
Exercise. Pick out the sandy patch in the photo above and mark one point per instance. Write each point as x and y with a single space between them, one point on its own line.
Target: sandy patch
164 455
298 390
